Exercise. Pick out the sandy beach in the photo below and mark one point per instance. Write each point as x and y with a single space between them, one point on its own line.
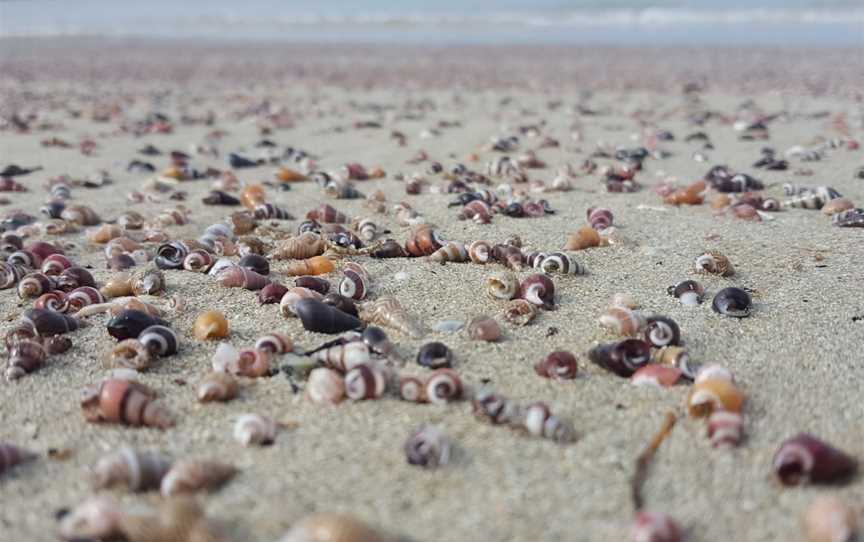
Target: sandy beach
797 358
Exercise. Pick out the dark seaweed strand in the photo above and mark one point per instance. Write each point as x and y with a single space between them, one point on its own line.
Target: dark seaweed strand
644 460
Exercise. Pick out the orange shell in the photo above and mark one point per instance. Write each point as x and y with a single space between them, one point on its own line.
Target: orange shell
710 395
584 237
172 173
252 195
720 201
210 325
317 265
287 175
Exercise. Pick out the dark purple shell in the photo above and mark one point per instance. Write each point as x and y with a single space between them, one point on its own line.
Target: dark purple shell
389 249
435 355
130 323
852 218
804 458
323 318
48 322
75 277
341 302
272 293
256 263
733 302
316 284
622 358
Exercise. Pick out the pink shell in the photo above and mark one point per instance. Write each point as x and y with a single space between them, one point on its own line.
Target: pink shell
662 376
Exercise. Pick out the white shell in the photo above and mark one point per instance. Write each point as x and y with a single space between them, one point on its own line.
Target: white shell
254 429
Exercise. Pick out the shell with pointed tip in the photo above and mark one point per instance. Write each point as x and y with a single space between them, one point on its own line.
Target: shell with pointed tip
343 357
270 211
428 447
55 264
127 402
316 265
327 214
424 241
324 318
82 297
136 471
25 357
660 376
677 357
289 301
275 342
49 323
53 301
241 277
193 475
389 312
254 429
480 252
805 458
661 331
94 519
520 312
305 245
35 284
582 238
198 261
325 386
160 340
147 281
355 283
217 386
450 252
272 293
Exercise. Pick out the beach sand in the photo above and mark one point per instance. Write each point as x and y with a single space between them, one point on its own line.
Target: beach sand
797 358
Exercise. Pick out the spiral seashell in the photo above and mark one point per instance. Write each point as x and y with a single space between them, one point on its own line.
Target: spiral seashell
714 394
82 297
327 214
388 312
494 408
733 302
558 262
435 355
252 195
119 285
354 284
412 389
10 242
443 386
534 259
331 527
75 277
55 264
478 211
428 447
316 284
52 301
255 429
622 321
23 330
120 245
275 342
324 318
10 274
130 354
104 233
171 255
829 519
272 293
538 290
343 357
660 331
480 252
389 249
688 292
25 357
559 365
539 421
136 471
424 241
241 277
126 402
210 325
272 212
509 256
49 323
520 312
367 229
25 258
198 261
306 245
582 238
243 223
342 190
677 357
11 455
813 198
193 475
502 286
599 218
715 263
654 527
34 285
80 215
724 429
325 386
484 328
217 386
159 340
807 459
450 252
365 381
316 265
95 518
622 358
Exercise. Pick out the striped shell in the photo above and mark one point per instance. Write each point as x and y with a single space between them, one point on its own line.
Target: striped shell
55 264
708 396
325 386
343 357
25 357
480 252
241 277
560 365
450 252
159 340
365 381
292 296
136 471
389 312
275 342
305 245
715 263
412 389
82 297
127 402
198 261
355 283
725 429
443 386
35 284
270 211
538 290
53 301
10 274
622 321
539 421
559 262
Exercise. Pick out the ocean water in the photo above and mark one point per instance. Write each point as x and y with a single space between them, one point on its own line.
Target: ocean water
617 22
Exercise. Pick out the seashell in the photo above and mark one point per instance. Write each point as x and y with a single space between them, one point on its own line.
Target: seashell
210 325
559 365
57 344
478 211
198 261
75 277
271 293
851 218
367 229
23 330
287 175
316 284
55 264
343 357
622 358
254 429
660 331
256 263
435 355
339 301
653 374
217 386
11 455
520 312
837 205
494 408
119 285
241 277
53 301
49 323
275 342
484 328
147 281
715 263
129 323
733 302
178 519
130 354
813 198
218 197
305 245
327 214
509 256
412 389
365 381
136 471
249 362
325 386
252 195
724 429
424 241
159 340
720 201
538 290
323 318
558 262
243 223
691 194
443 386
389 249
332 527
480 252
95 518
355 283
712 371
539 421
121 262
25 356
80 215
713 394
388 312
582 238
10 274
193 475
272 212
599 218
10 242
622 321
171 255
104 233
127 402
677 357
807 459
316 265
34 285
654 527
829 519
292 296
503 286
534 259
120 245
428 447
688 292
450 252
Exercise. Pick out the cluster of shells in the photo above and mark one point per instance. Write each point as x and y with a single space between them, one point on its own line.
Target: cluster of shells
314 272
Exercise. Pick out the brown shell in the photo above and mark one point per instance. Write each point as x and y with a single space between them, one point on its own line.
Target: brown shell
217 386
423 241
191 475
582 238
520 312
388 312
130 354
137 471
127 402
305 245
317 265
